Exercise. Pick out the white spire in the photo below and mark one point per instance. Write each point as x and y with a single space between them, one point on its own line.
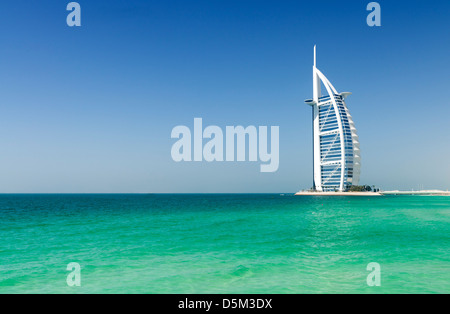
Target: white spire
316 80
315 58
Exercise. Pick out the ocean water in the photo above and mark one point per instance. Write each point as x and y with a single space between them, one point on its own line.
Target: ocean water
224 243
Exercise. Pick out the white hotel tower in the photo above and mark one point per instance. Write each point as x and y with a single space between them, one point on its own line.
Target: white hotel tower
337 160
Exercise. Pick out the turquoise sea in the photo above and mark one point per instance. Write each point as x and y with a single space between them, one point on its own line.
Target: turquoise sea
224 243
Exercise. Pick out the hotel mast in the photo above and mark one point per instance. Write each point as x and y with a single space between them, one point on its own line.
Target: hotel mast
337 159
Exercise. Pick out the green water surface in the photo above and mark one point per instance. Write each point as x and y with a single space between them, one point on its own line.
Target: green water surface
224 243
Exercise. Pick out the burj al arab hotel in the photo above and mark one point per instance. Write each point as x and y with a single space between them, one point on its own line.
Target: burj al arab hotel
337 160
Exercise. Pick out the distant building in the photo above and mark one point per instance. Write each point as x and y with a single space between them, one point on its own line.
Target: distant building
337 159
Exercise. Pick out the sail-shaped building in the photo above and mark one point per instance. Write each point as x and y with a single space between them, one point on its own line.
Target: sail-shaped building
337 159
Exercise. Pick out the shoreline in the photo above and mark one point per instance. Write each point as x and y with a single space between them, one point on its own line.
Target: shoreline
338 194
424 193
384 193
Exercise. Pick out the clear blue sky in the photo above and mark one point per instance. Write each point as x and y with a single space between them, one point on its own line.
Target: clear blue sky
91 109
